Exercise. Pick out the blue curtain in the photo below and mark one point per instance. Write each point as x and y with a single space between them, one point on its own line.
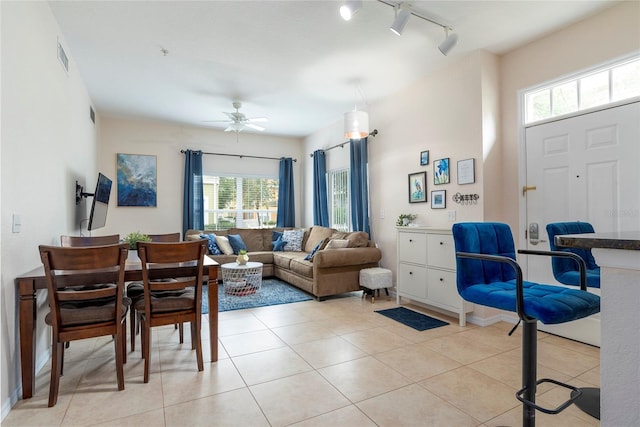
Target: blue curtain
320 202
359 185
193 203
286 201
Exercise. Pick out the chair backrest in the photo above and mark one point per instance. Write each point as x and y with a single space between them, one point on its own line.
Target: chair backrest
489 238
169 237
64 287
562 265
75 241
172 253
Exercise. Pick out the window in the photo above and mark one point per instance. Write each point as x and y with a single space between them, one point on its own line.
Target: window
338 192
614 83
240 201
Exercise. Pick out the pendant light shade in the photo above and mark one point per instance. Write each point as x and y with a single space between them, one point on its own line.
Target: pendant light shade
356 124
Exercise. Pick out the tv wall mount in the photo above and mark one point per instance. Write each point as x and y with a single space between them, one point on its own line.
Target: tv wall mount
80 193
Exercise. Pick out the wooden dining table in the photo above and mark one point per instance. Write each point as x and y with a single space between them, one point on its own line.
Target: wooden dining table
29 283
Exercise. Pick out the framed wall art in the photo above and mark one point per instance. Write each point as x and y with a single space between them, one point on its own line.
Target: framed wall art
424 158
417 187
441 171
137 180
439 199
466 171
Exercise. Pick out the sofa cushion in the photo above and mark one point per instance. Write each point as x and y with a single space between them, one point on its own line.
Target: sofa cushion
293 239
236 242
316 234
214 249
283 259
224 245
358 239
301 266
337 244
253 238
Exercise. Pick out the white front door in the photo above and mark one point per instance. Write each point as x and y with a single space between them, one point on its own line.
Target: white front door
582 168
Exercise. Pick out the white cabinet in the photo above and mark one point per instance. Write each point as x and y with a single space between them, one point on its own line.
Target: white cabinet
427 269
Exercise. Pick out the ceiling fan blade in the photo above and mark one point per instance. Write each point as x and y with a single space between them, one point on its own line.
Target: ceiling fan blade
256 127
258 119
234 127
217 121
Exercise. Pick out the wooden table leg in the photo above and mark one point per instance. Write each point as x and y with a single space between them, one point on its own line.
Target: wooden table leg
213 313
27 319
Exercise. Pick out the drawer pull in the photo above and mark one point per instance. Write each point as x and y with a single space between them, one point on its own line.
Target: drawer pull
410 273
442 243
441 279
410 240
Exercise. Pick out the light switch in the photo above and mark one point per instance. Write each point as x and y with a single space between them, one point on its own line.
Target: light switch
16 223
452 216
381 213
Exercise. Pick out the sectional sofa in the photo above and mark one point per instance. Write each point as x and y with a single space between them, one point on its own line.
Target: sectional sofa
333 269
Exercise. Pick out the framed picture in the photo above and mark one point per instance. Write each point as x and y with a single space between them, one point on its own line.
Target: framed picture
136 180
441 171
417 187
439 199
424 158
466 171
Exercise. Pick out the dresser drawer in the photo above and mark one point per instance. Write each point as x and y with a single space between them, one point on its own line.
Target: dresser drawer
441 252
412 281
442 288
412 247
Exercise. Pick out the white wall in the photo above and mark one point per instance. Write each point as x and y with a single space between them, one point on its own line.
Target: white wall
165 140
48 142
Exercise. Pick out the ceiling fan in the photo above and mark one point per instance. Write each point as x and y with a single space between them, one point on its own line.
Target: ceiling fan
238 121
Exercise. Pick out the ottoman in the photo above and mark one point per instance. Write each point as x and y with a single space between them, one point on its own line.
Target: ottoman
374 279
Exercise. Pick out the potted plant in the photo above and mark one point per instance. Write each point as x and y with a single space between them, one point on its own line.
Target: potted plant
405 219
132 239
242 258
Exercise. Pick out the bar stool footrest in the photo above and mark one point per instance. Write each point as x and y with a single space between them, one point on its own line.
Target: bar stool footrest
575 394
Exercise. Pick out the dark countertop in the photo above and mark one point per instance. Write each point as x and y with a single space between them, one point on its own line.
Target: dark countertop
629 240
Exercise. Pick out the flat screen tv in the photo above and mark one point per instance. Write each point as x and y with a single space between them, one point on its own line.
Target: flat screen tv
98 216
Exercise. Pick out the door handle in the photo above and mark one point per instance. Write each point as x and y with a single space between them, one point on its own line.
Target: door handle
533 233
527 188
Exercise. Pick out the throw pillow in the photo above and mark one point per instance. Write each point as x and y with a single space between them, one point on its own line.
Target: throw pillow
224 245
214 249
275 235
316 248
236 242
358 239
279 244
294 239
336 244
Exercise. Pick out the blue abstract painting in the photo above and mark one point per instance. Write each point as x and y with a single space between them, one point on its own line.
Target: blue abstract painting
137 184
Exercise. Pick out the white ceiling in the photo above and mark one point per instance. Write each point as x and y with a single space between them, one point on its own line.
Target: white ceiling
296 62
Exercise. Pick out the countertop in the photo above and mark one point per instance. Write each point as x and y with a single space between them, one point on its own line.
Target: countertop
628 240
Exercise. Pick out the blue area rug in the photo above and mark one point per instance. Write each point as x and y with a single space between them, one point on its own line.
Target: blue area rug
272 292
418 321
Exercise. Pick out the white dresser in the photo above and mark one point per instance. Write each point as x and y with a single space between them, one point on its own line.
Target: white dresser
427 269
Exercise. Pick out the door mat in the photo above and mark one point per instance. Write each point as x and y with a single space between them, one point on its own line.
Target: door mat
272 292
418 321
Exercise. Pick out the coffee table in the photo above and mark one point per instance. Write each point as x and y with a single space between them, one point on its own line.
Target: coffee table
240 279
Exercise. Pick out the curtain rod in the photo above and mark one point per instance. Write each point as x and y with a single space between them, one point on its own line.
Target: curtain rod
242 156
341 145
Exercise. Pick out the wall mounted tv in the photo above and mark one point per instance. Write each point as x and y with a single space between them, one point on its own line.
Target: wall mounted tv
98 216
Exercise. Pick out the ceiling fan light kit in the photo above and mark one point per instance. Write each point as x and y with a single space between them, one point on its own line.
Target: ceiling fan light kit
239 122
403 12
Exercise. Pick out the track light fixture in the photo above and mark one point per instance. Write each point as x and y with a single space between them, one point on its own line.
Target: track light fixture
403 12
450 40
402 17
350 8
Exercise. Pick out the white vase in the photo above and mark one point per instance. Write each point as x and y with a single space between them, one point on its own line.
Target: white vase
132 256
242 259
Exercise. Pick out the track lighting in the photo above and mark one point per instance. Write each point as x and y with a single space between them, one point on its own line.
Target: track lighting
449 42
350 8
402 17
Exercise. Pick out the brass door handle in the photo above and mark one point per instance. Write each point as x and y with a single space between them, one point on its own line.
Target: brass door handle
525 189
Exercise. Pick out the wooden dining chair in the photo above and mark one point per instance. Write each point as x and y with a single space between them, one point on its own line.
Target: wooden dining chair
182 298
79 308
135 292
75 241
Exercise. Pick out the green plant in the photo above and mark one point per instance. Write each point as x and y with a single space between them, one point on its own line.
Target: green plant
403 217
242 252
134 237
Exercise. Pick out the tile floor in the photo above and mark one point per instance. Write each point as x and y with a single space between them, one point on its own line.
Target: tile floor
335 362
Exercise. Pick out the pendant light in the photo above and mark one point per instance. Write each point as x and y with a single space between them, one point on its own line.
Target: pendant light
356 124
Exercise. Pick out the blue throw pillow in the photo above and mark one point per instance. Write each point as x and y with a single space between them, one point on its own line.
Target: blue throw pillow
275 235
279 244
309 257
214 249
236 242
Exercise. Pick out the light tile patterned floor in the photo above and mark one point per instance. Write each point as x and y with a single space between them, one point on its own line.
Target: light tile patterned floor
331 363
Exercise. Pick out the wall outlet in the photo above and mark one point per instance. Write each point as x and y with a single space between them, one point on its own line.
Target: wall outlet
381 213
452 216
16 223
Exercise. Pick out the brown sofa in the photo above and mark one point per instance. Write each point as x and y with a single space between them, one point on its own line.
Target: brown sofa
330 272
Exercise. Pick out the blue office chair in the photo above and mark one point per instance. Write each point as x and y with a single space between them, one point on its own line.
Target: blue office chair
488 274
565 270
